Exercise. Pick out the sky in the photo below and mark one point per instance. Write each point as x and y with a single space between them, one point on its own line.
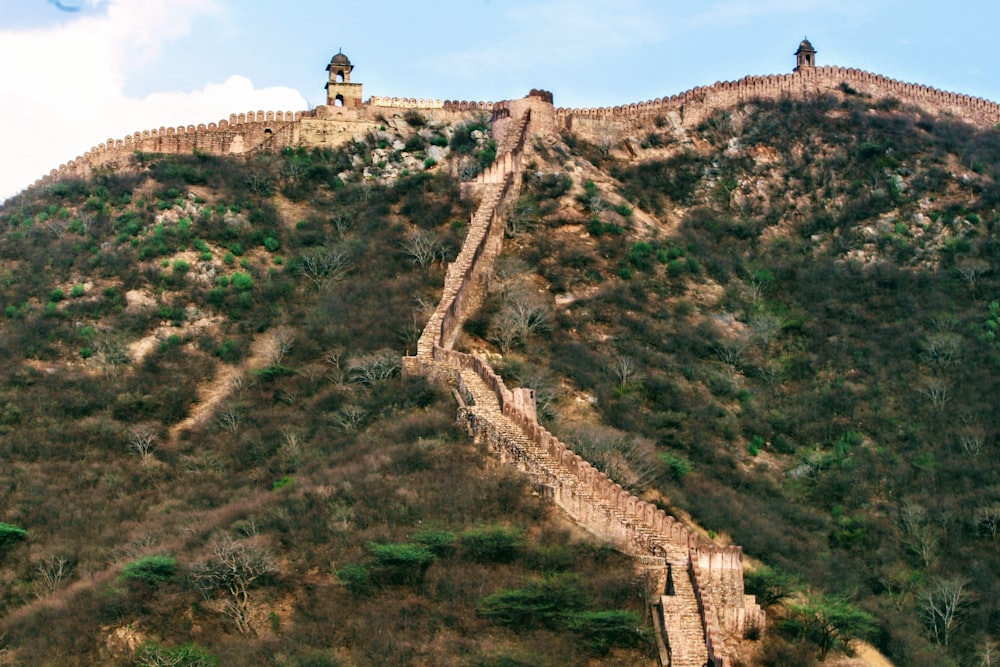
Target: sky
77 72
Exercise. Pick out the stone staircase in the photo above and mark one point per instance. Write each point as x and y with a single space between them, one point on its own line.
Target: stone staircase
682 622
505 420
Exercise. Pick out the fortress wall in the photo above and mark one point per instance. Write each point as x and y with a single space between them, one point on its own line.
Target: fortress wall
695 104
599 504
241 133
404 103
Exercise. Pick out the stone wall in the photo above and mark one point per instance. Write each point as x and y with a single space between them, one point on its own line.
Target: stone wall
241 134
697 103
512 430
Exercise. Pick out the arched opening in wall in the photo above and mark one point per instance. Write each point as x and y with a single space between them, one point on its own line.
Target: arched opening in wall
340 76
267 131
338 101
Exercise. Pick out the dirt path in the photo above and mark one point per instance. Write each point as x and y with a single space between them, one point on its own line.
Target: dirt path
212 394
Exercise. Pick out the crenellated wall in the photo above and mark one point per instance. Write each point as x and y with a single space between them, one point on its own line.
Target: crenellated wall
240 134
506 419
699 102
405 103
254 131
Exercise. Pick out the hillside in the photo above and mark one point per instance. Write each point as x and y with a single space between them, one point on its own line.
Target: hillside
203 360
782 321
776 322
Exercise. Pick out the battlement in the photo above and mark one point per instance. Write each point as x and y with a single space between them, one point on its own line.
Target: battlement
804 82
332 125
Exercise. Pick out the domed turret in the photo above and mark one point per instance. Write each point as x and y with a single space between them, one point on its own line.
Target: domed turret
340 92
805 56
340 59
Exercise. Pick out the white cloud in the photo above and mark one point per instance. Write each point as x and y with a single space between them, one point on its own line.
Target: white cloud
63 88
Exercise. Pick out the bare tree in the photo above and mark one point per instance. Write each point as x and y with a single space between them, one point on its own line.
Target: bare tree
627 372
292 171
333 359
765 327
941 351
322 266
942 602
342 221
290 453
375 367
240 382
260 185
971 444
350 417
112 355
282 341
507 277
423 248
731 350
626 460
937 390
142 441
232 570
972 273
986 519
53 572
229 420
503 333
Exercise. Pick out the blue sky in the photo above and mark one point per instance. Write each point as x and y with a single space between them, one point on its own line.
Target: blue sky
77 72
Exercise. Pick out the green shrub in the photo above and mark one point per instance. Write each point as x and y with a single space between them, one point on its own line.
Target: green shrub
543 603
602 630
316 659
440 542
10 535
400 554
771 586
400 562
414 118
152 654
496 544
150 569
678 466
357 578
181 267
271 244
228 259
56 295
77 291
242 282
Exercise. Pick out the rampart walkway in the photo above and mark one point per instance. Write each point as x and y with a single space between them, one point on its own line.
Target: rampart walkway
703 602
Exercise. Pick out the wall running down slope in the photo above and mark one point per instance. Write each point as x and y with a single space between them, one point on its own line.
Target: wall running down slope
706 606
703 609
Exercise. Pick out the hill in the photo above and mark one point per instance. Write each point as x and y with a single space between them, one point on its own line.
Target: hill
772 318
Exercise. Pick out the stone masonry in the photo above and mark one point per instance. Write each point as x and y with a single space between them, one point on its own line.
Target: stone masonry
703 605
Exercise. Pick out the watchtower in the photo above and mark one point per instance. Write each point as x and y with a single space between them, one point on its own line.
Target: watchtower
805 56
340 92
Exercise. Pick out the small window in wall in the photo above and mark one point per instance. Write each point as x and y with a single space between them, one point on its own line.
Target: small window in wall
338 101
267 131
340 77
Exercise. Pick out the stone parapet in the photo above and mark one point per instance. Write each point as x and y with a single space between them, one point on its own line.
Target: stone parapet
700 101
707 577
